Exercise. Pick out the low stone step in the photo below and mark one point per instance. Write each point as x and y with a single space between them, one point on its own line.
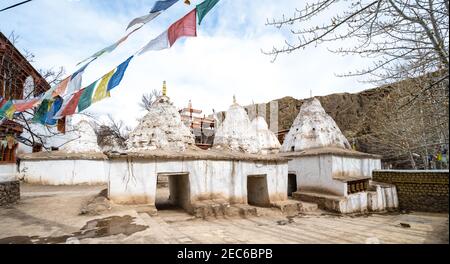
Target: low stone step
293 207
210 208
242 210
309 207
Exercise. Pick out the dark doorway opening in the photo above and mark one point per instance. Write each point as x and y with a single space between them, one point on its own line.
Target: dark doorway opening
173 192
257 191
292 184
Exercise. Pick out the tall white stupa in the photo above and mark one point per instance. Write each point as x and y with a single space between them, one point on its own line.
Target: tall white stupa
235 133
161 128
314 128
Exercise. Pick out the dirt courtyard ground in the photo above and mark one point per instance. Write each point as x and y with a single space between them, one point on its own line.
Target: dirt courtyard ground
47 214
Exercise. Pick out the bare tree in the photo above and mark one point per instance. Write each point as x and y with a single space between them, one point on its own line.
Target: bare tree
402 37
408 132
113 134
149 99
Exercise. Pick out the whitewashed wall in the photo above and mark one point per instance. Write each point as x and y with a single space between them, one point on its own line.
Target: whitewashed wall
134 181
315 173
64 172
8 172
353 166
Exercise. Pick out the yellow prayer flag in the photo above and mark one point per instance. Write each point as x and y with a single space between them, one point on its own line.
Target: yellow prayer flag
10 112
101 92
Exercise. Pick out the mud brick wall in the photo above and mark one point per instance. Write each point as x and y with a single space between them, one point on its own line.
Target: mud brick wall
425 191
9 192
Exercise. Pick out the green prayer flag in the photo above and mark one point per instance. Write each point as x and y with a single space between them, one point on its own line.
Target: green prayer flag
5 108
41 114
204 8
86 97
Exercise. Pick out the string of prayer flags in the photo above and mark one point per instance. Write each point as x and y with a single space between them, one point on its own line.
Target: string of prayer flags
109 49
67 97
157 9
203 9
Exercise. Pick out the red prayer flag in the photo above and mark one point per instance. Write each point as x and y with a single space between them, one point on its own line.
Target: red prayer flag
185 27
71 106
2 102
20 107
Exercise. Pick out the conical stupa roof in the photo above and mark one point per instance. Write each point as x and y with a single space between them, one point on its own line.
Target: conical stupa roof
314 128
161 128
85 139
268 142
235 132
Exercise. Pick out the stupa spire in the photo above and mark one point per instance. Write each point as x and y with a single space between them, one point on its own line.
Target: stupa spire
164 89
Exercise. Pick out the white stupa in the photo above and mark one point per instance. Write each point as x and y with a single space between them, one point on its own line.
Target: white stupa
235 133
84 138
314 128
268 142
161 128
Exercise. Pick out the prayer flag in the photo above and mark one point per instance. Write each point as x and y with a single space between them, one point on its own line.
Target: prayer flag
41 114
5 108
185 27
143 19
71 106
10 112
74 84
101 92
86 97
61 87
203 9
24 105
2 102
118 75
156 10
162 5
54 108
159 43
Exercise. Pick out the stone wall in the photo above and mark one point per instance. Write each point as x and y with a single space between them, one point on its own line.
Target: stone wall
9 192
418 190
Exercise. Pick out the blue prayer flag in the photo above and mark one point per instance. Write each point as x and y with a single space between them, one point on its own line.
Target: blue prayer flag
56 106
118 75
162 5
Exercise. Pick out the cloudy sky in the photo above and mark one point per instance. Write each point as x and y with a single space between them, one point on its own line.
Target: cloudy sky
225 59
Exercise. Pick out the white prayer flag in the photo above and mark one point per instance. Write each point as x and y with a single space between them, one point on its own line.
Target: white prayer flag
159 43
143 19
